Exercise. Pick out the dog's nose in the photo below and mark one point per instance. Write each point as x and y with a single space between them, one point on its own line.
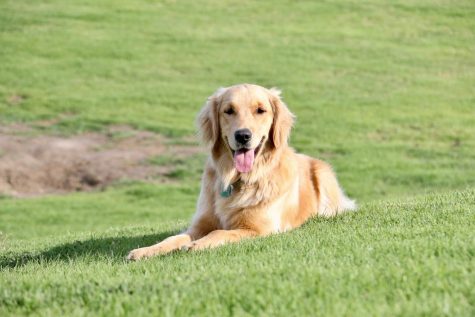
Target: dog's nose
243 136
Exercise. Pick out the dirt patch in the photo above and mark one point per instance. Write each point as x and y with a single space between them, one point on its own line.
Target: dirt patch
37 165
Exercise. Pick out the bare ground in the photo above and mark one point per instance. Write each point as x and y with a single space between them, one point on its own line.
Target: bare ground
32 164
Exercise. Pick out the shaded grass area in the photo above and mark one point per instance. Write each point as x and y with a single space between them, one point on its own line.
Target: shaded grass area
397 257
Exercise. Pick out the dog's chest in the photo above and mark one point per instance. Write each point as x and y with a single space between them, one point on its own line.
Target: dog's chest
252 208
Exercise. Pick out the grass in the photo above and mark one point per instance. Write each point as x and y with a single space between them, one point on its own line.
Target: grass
384 90
402 72
183 169
410 257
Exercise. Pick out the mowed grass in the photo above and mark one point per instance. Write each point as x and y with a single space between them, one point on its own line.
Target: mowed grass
383 90
410 257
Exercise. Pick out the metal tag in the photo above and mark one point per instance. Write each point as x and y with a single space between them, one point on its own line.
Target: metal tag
227 192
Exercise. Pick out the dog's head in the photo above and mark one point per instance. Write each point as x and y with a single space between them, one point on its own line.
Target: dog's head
245 120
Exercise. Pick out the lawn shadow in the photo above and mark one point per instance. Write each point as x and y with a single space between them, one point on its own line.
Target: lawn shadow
114 248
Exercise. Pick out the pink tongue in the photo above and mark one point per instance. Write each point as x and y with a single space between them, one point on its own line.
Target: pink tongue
243 160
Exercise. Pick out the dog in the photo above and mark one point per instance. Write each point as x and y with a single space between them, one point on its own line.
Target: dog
253 183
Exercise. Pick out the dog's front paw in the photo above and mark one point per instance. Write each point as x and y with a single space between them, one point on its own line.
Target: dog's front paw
201 244
185 247
194 246
138 254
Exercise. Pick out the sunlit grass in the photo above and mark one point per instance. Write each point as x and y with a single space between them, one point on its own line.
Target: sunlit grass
384 91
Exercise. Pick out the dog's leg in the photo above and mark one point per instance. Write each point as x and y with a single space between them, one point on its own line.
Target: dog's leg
204 223
220 237
166 246
332 200
200 227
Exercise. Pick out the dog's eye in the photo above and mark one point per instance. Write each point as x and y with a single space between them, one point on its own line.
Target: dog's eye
261 110
229 111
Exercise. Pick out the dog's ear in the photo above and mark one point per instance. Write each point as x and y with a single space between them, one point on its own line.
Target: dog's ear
208 121
283 119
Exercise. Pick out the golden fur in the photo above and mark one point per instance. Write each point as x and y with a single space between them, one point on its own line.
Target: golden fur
281 192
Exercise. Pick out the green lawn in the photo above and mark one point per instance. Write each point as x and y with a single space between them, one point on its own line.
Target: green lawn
409 257
383 90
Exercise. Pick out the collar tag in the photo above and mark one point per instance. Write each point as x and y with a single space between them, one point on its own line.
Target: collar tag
227 192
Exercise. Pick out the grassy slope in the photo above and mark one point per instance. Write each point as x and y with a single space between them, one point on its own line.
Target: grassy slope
401 72
384 91
410 257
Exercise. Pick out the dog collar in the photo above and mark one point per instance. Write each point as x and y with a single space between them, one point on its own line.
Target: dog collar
227 192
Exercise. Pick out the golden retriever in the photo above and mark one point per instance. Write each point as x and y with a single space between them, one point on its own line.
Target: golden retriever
253 183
